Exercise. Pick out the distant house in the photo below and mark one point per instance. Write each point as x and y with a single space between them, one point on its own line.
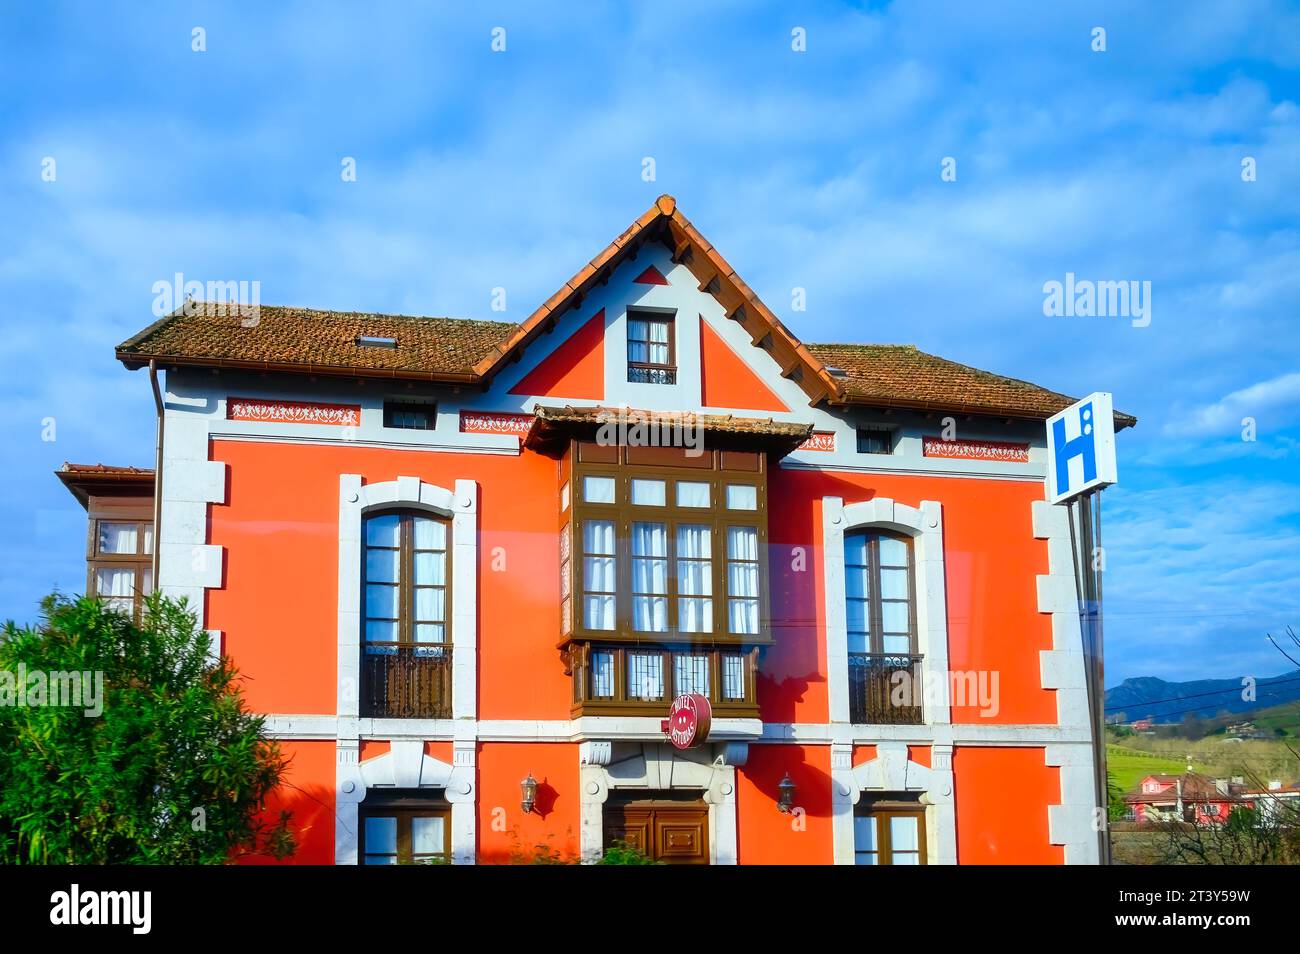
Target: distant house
1142 725
1245 730
1190 797
1277 798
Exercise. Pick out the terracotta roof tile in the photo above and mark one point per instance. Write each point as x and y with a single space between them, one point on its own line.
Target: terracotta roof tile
466 351
310 340
903 376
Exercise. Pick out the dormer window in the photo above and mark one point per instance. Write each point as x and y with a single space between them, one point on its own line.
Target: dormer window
651 349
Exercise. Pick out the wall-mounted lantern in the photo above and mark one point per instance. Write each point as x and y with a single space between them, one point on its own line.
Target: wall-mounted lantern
787 788
529 788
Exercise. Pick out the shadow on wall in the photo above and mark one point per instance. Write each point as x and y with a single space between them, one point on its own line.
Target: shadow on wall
311 820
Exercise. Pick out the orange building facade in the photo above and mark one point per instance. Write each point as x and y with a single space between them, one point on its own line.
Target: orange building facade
467 566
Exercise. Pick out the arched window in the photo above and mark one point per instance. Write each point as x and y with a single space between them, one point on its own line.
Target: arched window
406 643
881 594
880 604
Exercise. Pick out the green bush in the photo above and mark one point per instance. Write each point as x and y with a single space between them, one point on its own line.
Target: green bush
174 770
621 853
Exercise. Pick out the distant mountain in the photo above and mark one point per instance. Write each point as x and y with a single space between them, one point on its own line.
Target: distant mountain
1148 697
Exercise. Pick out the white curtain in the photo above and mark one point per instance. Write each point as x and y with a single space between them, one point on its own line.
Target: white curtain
598 572
650 577
117 537
602 675
742 580
658 342
692 493
694 579
116 586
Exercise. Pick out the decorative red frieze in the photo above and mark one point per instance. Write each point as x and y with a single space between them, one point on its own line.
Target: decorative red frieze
478 422
975 450
819 441
292 412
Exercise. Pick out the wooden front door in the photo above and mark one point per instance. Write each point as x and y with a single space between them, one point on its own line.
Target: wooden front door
671 831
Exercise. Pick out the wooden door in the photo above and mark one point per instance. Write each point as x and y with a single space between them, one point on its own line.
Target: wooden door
670 832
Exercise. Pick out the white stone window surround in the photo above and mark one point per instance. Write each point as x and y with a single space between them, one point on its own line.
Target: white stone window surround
924 524
892 771
411 767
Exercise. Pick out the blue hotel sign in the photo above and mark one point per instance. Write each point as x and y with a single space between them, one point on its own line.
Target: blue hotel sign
1081 448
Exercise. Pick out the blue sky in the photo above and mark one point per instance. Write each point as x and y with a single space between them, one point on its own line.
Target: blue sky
818 169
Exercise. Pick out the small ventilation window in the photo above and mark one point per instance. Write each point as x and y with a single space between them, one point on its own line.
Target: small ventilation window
376 341
411 415
875 440
836 372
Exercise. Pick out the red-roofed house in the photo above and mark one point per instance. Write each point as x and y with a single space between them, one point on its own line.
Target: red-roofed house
467 580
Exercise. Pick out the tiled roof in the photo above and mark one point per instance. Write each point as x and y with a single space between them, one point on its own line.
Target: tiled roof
719 423
273 337
467 351
903 376
83 480
104 471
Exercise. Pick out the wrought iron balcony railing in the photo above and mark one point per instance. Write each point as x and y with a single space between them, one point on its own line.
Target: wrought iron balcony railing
885 689
406 681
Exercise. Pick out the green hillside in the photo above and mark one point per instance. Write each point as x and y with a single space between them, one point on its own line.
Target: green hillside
1129 766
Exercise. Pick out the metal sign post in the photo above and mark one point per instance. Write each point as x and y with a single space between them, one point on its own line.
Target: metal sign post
1079 465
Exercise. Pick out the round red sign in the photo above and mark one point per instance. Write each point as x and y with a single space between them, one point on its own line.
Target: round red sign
688 720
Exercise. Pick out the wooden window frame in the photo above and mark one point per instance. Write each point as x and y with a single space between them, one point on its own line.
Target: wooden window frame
875 602
883 810
406 550
404 810
141 561
623 513
652 317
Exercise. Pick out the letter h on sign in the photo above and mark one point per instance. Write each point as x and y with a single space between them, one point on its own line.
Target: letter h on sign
1081 448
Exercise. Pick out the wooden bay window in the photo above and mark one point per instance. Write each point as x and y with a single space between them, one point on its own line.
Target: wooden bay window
667 558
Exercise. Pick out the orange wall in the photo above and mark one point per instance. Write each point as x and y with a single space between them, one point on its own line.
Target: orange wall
279 605
307 792
991 560
764 835
1002 796
505 833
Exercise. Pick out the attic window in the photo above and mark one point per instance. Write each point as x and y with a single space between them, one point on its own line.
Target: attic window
836 372
875 440
412 415
375 341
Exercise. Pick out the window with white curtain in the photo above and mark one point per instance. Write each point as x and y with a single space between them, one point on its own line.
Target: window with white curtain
694 578
116 586
880 616
602 675
599 580
889 834
650 577
742 580
118 538
405 580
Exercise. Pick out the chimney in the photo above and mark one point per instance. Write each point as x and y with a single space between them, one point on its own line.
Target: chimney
1222 785
1274 784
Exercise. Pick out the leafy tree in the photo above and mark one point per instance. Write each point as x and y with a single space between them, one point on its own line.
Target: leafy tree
175 770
